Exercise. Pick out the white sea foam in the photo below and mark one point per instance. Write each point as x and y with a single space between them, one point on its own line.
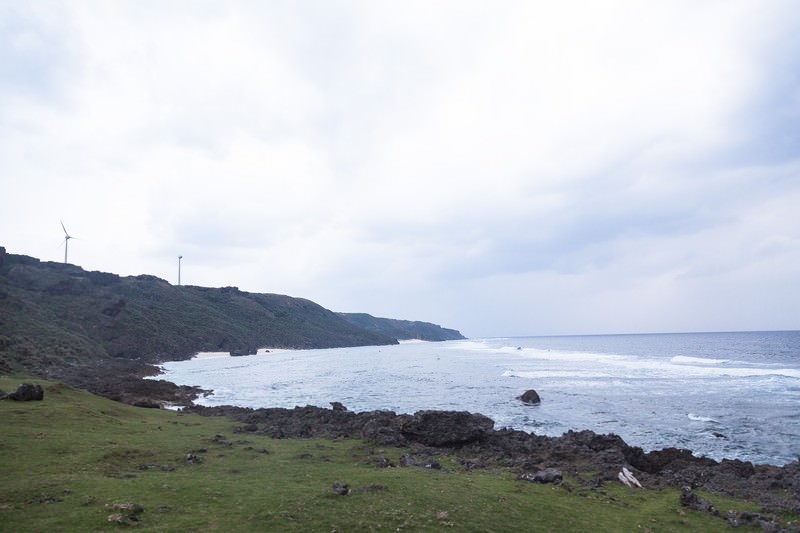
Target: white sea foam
210 355
576 357
698 418
684 360
538 374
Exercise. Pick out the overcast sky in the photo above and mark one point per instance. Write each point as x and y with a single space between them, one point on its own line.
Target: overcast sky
502 168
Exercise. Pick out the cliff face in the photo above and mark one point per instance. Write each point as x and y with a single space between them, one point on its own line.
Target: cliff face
54 314
402 329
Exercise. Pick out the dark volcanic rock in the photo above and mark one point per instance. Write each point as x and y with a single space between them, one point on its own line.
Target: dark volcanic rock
27 392
530 397
446 428
471 436
243 351
342 489
121 380
693 501
548 475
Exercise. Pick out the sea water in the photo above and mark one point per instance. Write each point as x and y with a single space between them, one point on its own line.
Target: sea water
721 395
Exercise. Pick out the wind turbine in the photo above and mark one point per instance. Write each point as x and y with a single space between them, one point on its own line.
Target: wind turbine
67 237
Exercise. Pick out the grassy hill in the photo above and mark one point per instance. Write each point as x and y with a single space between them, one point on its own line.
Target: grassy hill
402 329
54 314
77 462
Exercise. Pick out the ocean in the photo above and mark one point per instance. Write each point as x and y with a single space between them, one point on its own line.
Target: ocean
721 395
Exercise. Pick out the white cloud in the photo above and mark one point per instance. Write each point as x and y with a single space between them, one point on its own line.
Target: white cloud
505 169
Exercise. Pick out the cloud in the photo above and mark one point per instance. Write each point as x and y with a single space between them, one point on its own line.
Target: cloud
507 169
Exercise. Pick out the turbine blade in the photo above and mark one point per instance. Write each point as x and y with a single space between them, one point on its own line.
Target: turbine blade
62 227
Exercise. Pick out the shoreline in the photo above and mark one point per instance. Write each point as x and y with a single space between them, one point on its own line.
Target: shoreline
470 436
700 413
260 351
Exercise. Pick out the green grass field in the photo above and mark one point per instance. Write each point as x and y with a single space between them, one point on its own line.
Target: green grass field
72 461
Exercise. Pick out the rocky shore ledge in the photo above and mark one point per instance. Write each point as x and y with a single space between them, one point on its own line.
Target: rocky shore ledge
473 439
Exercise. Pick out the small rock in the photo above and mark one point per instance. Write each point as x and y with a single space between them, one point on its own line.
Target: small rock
341 488
382 462
548 475
192 459
337 406
407 460
693 501
126 507
125 512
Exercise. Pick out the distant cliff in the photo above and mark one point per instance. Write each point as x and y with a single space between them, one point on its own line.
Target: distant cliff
402 329
54 314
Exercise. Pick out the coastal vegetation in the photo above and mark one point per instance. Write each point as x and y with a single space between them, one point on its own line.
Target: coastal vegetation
78 462
402 329
55 315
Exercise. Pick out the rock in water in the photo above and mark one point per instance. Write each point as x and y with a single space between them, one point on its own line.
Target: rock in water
27 392
530 397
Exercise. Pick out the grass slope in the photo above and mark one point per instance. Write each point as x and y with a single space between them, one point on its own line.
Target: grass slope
67 461
402 329
53 314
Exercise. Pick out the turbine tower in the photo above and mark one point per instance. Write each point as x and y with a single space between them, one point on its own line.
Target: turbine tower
67 237
179 270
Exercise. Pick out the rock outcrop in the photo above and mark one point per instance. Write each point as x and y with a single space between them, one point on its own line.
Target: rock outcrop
27 392
446 428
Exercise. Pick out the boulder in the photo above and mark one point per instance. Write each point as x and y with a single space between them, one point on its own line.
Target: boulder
238 352
548 475
446 428
27 392
531 397
3 395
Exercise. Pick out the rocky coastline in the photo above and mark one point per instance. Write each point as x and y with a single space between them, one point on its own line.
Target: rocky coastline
472 438
469 436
